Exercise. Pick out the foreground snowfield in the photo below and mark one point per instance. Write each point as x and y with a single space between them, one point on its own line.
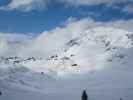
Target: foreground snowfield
98 60
110 84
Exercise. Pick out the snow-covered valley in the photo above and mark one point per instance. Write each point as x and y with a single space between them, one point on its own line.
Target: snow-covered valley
58 66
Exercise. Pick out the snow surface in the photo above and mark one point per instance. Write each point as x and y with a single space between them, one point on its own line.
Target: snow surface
58 66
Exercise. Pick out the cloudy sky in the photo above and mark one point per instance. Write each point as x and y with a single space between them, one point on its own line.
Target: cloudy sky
36 16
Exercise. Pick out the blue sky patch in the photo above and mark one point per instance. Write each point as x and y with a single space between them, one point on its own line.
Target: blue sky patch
37 21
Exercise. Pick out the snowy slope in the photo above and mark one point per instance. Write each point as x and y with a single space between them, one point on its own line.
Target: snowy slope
58 66
86 52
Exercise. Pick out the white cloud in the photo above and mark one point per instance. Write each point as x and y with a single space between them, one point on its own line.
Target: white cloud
122 24
11 43
92 2
86 2
128 8
25 5
28 5
111 3
49 42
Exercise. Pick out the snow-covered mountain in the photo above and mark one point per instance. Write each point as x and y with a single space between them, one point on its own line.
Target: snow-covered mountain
100 58
87 51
